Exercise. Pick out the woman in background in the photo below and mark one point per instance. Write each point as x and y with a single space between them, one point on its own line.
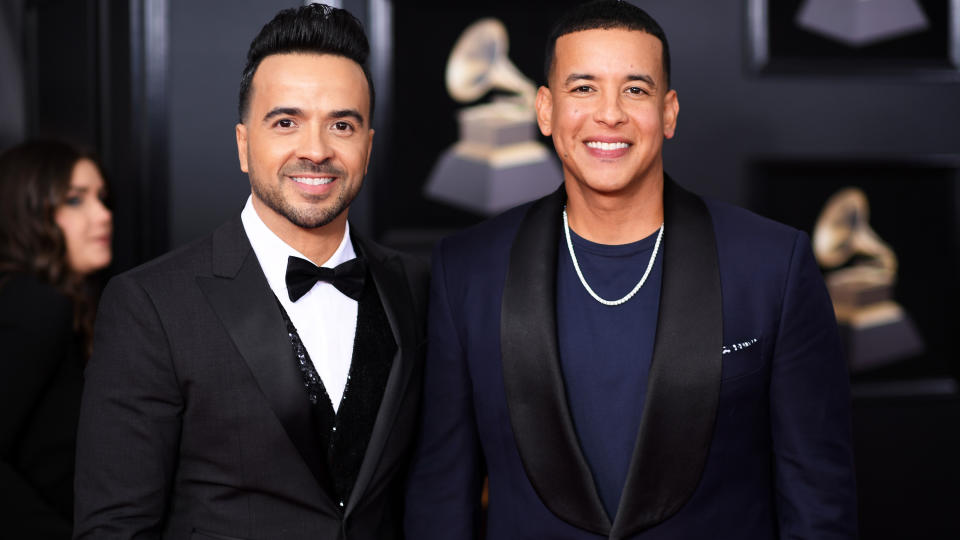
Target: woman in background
55 231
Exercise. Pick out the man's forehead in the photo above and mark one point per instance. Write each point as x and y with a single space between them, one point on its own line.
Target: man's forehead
288 75
596 49
615 39
306 63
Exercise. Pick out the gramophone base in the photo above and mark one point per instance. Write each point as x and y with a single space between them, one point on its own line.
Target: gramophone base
858 23
486 189
872 346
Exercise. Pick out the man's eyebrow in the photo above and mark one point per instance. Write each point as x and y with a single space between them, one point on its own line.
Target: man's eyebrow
348 113
641 77
631 77
282 111
578 77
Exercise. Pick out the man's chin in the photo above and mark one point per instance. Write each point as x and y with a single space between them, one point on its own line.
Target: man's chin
312 221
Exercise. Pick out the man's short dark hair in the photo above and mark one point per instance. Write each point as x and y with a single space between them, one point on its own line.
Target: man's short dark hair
605 15
313 28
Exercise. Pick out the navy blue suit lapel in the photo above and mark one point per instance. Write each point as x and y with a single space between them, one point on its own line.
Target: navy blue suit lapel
245 304
536 398
684 384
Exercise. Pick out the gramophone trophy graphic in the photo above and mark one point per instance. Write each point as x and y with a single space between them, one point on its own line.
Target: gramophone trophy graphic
862 270
497 163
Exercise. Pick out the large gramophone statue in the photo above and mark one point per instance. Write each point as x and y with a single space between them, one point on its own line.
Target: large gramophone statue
498 162
861 272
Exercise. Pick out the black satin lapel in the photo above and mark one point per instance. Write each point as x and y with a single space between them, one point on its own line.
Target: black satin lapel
684 385
390 278
248 310
536 397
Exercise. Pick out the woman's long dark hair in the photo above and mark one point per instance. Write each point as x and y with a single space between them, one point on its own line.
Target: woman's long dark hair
34 182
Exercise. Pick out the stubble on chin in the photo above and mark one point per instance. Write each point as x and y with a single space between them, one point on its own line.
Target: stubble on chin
312 215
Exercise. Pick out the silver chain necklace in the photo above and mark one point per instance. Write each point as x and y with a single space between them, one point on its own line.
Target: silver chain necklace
576 266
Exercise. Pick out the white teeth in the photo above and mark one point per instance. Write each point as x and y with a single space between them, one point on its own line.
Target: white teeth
607 146
310 181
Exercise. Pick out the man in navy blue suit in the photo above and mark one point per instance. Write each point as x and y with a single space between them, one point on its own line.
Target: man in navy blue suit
622 358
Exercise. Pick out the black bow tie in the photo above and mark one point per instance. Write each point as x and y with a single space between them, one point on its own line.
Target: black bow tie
348 277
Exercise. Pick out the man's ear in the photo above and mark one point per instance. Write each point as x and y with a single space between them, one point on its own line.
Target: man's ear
242 147
671 109
544 105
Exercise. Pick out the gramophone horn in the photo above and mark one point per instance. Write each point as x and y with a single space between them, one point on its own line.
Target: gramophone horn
479 63
843 230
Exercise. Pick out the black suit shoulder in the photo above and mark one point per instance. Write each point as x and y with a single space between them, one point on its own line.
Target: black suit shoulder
185 261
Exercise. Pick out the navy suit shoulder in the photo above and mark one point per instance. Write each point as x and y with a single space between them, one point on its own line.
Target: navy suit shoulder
490 238
730 220
757 257
746 235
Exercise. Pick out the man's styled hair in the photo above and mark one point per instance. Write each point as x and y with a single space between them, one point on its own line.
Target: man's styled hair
313 28
605 15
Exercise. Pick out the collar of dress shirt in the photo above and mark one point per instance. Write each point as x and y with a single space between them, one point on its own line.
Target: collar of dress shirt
272 252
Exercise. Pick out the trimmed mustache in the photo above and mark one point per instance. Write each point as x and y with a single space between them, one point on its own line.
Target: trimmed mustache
309 167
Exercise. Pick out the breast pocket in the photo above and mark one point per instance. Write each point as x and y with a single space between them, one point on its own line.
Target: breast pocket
742 358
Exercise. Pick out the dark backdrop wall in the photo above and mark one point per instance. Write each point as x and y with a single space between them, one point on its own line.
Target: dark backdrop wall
12 103
208 47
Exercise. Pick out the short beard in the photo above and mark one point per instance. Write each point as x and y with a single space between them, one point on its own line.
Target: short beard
306 218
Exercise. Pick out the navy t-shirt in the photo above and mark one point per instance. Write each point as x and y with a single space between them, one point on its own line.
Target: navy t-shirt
605 351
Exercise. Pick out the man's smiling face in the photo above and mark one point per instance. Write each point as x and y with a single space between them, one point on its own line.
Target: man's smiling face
608 108
306 138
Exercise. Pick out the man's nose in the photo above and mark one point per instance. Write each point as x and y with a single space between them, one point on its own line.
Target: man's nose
314 145
610 110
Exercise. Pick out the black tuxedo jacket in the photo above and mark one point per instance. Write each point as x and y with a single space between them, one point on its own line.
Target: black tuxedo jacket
745 432
195 422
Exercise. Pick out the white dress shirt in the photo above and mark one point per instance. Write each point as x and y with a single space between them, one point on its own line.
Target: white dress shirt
325 318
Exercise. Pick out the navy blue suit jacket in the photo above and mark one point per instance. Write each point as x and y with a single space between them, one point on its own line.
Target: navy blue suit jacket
746 428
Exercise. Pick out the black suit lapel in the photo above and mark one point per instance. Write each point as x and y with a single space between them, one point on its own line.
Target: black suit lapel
684 386
536 397
391 281
245 304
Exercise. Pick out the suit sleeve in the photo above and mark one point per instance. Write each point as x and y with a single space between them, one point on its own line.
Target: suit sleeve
443 492
129 421
35 342
810 411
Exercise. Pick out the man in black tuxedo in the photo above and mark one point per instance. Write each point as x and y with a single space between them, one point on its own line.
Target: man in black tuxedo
263 381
